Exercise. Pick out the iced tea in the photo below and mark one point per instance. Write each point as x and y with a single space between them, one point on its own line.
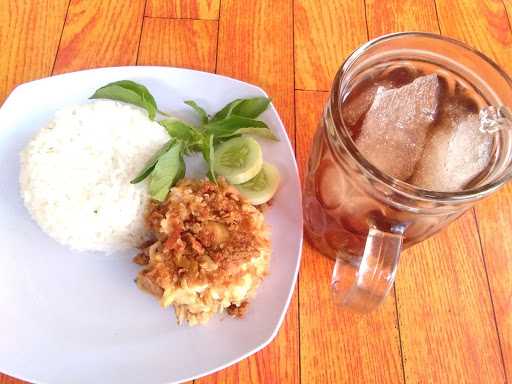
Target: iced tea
414 121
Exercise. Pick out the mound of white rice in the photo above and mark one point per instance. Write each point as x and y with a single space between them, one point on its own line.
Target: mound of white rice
75 175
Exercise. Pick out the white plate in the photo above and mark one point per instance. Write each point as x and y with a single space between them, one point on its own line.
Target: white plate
68 317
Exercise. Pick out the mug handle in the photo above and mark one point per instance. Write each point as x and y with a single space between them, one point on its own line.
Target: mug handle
363 283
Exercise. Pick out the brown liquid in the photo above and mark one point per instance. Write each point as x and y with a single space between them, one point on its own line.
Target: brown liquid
338 211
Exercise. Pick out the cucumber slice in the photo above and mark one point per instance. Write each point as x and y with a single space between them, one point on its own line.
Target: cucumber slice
262 187
238 159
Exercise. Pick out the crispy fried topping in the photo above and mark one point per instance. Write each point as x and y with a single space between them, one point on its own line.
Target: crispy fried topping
238 311
211 250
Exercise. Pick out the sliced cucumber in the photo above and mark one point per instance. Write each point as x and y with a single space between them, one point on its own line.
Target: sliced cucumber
262 187
238 159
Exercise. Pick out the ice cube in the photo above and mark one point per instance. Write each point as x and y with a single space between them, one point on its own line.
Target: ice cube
360 99
357 103
454 155
394 129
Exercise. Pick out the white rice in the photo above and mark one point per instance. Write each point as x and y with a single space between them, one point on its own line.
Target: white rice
75 175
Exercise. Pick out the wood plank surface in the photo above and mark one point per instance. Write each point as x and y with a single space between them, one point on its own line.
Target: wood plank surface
100 33
450 319
485 26
180 43
398 16
324 36
4 379
494 217
337 345
248 50
445 311
508 6
482 24
29 38
183 9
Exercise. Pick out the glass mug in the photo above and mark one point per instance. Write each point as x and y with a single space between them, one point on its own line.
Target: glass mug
363 217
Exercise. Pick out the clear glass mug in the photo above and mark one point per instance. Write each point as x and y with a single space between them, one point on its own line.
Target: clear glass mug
364 218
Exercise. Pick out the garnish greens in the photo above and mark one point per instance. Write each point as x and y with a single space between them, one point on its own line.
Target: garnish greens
167 166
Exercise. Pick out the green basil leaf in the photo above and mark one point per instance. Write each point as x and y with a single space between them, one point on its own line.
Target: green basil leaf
200 111
181 171
208 152
250 108
164 113
150 165
178 129
194 145
129 92
211 158
230 124
263 132
166 172
226 111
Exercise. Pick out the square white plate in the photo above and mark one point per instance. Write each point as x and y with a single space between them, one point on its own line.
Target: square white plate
69 317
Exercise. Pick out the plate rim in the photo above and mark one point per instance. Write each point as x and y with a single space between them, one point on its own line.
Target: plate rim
142 69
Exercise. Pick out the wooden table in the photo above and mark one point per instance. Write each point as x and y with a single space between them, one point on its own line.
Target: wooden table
449 318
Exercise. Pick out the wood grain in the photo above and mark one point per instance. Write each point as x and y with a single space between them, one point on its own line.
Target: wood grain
482 24
255 45
179 43
100 33
337 345
508 6
397 16
485 26
30 33
495 222
4 379
184 9
446 315
324 36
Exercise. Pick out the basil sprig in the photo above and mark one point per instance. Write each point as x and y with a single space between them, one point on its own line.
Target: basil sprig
250 108
129 92
167 166
234 125
200 111
150 165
